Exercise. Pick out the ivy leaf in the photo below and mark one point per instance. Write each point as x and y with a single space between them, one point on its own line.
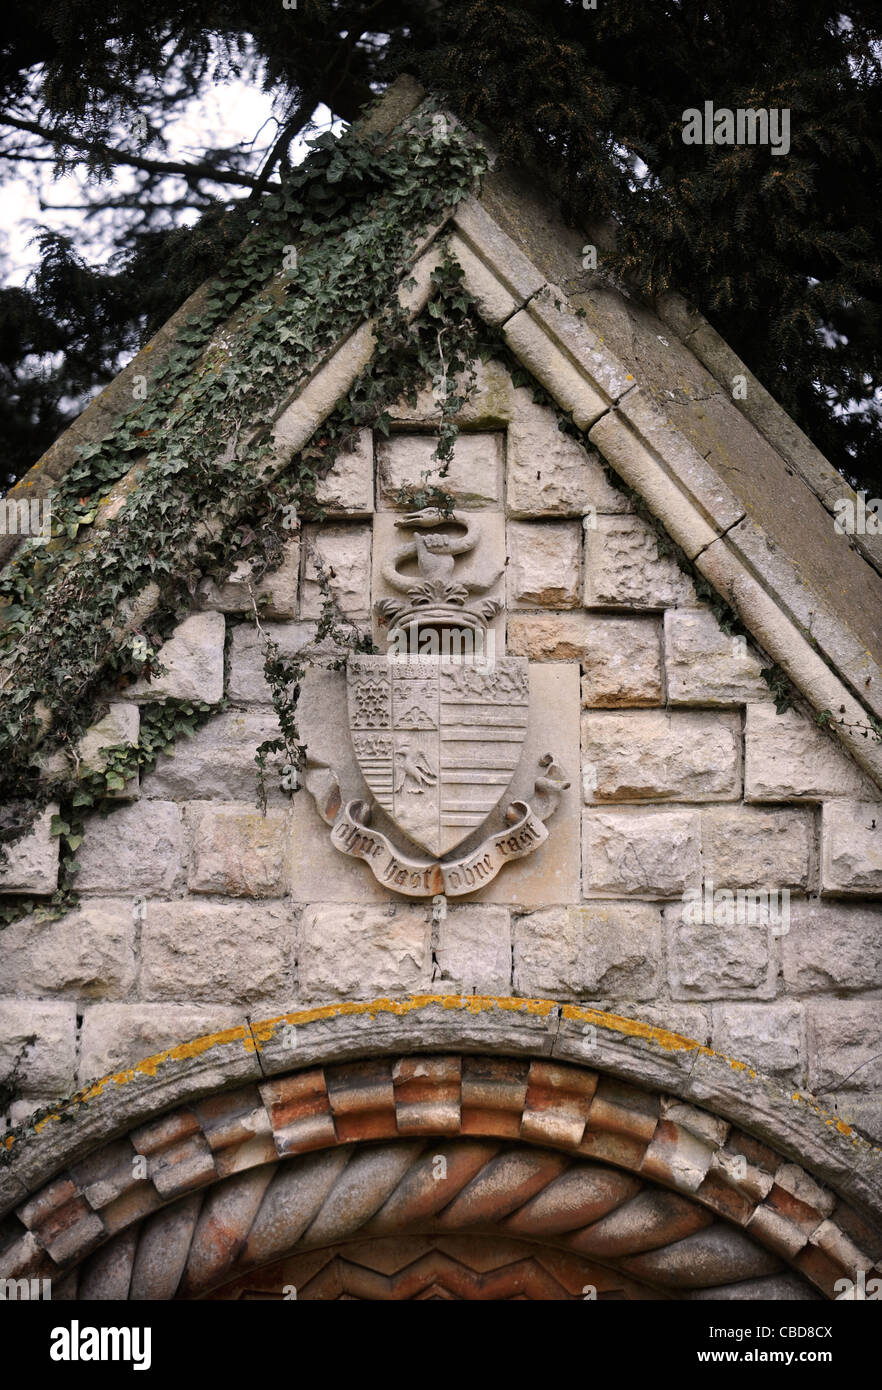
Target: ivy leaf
57 826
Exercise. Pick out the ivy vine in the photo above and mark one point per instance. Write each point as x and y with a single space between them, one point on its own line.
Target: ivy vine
97 790
326 252
443 345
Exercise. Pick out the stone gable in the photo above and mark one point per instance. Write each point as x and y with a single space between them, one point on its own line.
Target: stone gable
625 905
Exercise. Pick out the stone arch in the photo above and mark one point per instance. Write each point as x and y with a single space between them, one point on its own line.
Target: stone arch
205 1125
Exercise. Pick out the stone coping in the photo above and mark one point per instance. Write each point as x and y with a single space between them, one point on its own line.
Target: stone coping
833 663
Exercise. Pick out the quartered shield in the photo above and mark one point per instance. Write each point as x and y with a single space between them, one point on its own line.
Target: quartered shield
438 742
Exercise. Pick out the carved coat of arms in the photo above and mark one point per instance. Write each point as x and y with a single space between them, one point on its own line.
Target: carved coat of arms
437 727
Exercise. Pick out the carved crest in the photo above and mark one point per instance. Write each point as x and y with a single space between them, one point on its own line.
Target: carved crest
438 737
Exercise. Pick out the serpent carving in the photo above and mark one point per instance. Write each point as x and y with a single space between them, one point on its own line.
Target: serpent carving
435 555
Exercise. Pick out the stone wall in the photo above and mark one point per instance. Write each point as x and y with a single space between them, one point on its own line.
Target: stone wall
197 910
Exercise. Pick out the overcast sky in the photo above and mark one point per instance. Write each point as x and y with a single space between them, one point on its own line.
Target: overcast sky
227 113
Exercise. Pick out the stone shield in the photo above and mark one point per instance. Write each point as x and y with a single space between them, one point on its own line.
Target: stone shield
438 741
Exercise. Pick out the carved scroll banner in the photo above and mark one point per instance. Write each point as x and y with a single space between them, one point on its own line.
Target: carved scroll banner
352 834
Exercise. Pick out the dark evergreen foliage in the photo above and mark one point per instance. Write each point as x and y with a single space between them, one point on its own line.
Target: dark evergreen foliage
782 253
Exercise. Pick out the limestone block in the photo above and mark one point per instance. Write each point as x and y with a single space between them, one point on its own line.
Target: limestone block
237 850
544 564
549 636
318 871
705 666
718 959
347 489
137 848
769 1036
745 847
247 682
414 291
623 567
359 952
489 405
193 657
594 354
666 471
344 552
622 662
20 1111
621 657
492 298
551 473
653 755
313 404
537 349
473 476
851 838
206 951
788 758
218 760
45 1033
121 724
650 853
474 949
508 262
609 950
845 1045
860 1111
275 593
832 946
90 952
120 1035
32 863
687 1020
801 1185
590 1044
